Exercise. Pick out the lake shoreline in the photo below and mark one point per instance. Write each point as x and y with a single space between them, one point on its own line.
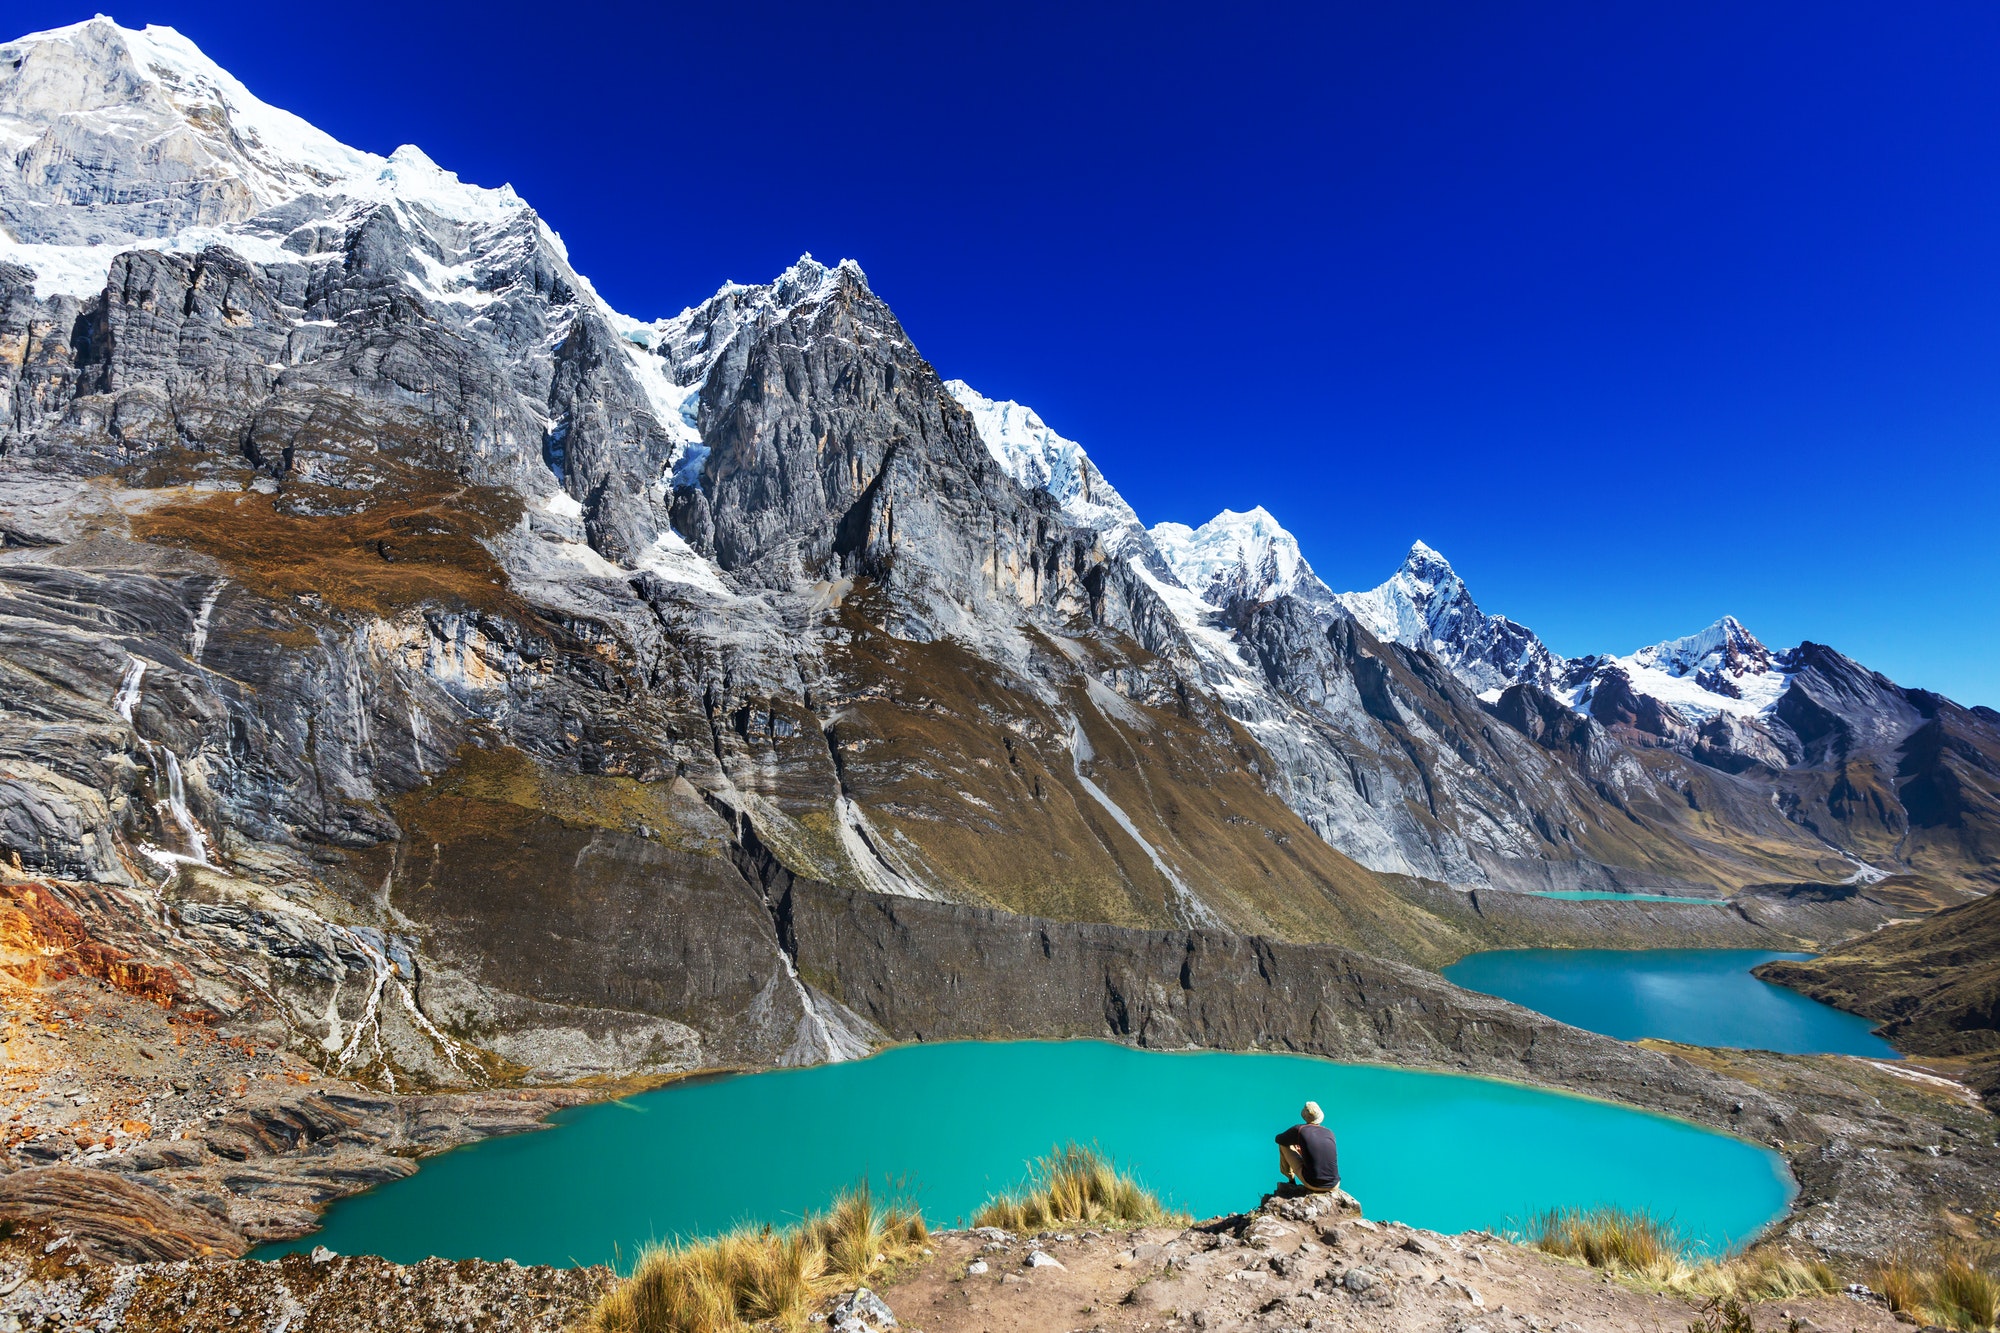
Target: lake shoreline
1698 997
280 1140
669 1163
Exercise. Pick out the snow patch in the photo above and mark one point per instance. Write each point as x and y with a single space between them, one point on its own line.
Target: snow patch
672 559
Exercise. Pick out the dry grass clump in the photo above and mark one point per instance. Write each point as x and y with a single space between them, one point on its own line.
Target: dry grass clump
1639 1246
1900 1282
1963 1295
857 1236
1764 1275
758 1276
1952 1290
1071 1186
1634 1242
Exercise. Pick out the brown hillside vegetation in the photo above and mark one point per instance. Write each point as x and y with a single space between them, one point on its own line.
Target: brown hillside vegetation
413 541
1934 985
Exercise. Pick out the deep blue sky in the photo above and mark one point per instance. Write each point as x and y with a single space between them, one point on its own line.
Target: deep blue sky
1641 314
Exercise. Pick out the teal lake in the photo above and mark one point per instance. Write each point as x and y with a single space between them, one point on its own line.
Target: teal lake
951 1124
1705 997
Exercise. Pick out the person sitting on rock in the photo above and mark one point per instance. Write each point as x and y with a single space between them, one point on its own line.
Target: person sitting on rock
1307 1153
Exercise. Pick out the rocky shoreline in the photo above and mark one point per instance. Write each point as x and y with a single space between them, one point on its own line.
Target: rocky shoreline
1293 1264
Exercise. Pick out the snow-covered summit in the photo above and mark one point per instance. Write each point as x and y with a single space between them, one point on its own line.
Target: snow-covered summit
1721 669
1239 557
675 355
696 336
79 106
1423 590
1725 647
115 138
1425 604
1034 455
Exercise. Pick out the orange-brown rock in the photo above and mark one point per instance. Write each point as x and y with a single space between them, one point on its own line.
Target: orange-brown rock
112 1216
42 940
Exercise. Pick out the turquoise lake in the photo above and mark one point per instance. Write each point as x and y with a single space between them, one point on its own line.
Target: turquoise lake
950 1124
1705 997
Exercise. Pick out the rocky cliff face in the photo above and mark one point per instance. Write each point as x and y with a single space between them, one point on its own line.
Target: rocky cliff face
469 668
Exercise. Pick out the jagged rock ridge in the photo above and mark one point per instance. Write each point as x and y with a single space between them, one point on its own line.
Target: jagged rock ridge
1426 605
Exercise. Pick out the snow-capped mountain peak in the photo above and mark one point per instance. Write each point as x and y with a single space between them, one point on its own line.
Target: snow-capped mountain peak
1038 458
1235 556
1424 557
1425 604
93 84
1724 646
1418 600
1721 669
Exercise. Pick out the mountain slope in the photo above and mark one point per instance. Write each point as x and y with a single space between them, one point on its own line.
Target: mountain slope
1934 985
378 563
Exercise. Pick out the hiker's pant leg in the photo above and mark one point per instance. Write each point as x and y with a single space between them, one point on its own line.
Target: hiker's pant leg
1290 1163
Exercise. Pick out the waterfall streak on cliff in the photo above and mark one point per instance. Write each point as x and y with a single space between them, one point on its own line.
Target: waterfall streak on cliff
198 639
833 1046
165 763
383 975
371 1012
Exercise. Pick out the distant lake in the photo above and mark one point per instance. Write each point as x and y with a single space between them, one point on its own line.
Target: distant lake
1704 997
955 1123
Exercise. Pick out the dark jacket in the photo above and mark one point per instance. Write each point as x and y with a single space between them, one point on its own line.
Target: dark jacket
1321 1157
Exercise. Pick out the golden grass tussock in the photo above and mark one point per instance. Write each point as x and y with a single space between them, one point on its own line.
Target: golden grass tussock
1615 1238
1651 1252
1765 1275
1900 1282
1952 1290
1964 1295
759 1276
857 1235
1075 1186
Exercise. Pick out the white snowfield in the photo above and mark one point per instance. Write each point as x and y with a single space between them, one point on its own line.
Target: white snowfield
151 95
1248 555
